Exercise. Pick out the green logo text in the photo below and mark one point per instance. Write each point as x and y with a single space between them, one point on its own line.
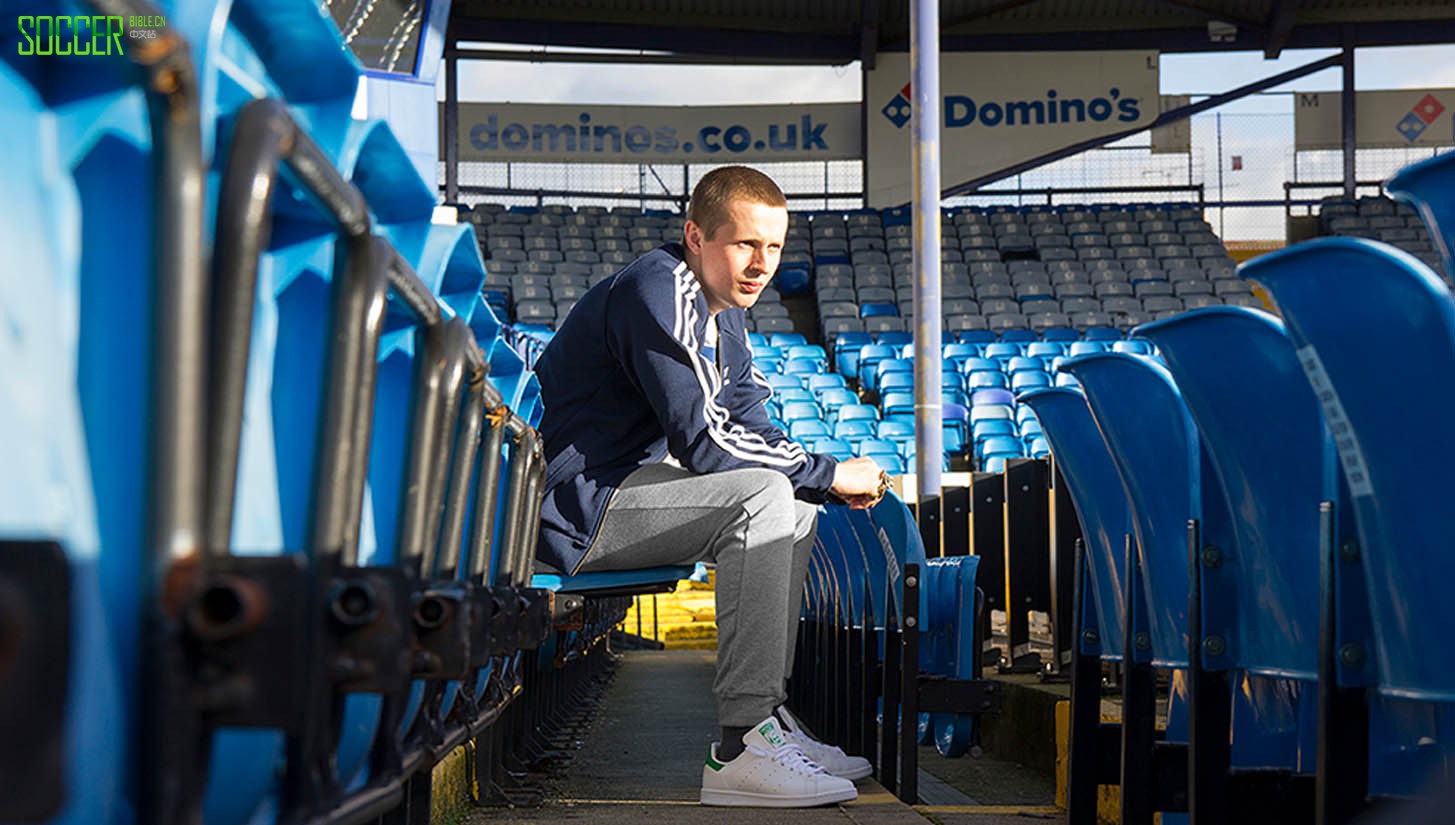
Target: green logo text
64 35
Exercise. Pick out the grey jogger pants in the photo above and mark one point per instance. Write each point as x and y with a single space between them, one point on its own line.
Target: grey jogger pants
748 522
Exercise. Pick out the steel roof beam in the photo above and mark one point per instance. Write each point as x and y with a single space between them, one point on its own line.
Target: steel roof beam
1280 26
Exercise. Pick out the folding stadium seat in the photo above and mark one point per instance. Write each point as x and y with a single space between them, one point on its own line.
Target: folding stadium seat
1095 253
986 380
959 291
998 279
1090 318
875 295
803 429
838 309
1231 286
1022 381
965 323
1160 303
991 427
1033 290
1111 288
799 410
1149 288
1132 346
1023 363
866 278
1186 288
1073 290
883 323
896 403
876 447
896 382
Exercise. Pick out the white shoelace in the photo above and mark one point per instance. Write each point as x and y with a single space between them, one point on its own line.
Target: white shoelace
792 757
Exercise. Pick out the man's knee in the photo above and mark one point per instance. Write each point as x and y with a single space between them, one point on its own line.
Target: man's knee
805 519
770 486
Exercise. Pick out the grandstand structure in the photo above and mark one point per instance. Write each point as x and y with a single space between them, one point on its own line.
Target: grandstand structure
272 479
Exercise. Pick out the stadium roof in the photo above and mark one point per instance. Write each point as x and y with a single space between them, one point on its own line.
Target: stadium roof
840 31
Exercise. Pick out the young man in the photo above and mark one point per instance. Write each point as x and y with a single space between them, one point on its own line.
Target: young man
654 364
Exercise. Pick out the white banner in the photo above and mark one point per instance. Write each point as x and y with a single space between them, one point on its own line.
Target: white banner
1000 109
1382 119
657 134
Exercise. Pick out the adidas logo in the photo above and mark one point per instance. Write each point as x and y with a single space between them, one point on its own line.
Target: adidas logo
770 732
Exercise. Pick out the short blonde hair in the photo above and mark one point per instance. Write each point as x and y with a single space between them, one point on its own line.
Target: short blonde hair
718 189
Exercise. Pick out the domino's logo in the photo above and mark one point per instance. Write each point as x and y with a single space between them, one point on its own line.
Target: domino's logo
1420 118
898 109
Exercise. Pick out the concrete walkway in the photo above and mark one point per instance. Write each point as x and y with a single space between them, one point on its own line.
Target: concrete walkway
640 763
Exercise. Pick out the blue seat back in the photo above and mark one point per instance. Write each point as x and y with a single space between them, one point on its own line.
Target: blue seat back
1153 444
1353 308
1101 505
1263 434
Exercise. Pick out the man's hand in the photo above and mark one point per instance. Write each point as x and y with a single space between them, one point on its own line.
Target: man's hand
859 482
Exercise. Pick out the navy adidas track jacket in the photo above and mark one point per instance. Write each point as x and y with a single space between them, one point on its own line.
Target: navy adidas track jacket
625 382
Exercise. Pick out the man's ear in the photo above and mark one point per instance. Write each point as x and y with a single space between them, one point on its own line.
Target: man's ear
692 237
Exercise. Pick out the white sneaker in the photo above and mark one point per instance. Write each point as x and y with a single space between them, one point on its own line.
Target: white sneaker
771 772
832 758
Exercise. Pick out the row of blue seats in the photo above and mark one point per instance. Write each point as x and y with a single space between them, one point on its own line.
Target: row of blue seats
1306 627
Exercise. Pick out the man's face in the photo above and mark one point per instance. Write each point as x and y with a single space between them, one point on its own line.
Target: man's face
736 263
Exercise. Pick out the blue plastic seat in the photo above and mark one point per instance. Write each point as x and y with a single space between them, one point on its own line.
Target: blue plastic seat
872 446
854 429
986 380
846 351
975 362
1153 444
1132 347
976 336
958 352
802 429
824 381
992 426
875 310
855 412
1265 444
796 410
869 357
786 339
811 351
1019 336
832 398
1002 350
897 402
1101 334
1045 349
992 396
891 463
896 381
836 447
788 395
1029 380
894 430
778 381
894 338
1060 335
801 366
1324 288
1020 362
1101 508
